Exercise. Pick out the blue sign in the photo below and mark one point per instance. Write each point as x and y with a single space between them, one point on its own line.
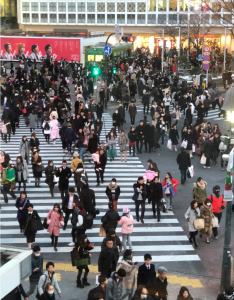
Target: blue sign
200 56
107 50
206 67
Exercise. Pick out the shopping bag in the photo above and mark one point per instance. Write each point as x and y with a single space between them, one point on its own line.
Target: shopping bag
188 174
203 160
215 222
169 144
102 231
56 179
191 171
193 148
184 144
199 224
112 98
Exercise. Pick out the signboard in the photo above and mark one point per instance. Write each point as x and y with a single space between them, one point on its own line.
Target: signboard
198 79
107 50
92 33
37 47
200 56
206 53
206 67
206 49
228 183
206 57
117 33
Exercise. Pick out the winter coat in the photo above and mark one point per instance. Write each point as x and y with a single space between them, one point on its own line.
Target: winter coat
47 296
174 136
64 176
111 143
182 298
116 241
24 149
110 219
99 111
116 190
116 119
25 171
55 222
77 177
32 120
75 162
115 290
127 224
132 110
173 181
21 213
36 262
129 280
138 297
132 136
70 135
50 172
178 114
136 193
145 276
183 160
208 148
206 214
34 143
108 259
199 194
217 203
54 134
28 219
44 279
92 146
123 141
192 214
200 143
121 112
87 197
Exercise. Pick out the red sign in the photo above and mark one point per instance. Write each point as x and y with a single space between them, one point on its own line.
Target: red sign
206 49
206 35
206 57
206 67
36 47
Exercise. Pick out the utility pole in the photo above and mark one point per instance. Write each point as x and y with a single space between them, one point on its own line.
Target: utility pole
162 47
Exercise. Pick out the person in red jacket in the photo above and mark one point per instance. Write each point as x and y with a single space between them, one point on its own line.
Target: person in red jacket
217 206
169 187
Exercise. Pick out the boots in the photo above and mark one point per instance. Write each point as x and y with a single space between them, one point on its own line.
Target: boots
85 279
78 282
52 239
55 243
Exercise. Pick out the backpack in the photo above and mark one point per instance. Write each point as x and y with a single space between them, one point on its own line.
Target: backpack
47 126
83 178
10 173
87 221
222 146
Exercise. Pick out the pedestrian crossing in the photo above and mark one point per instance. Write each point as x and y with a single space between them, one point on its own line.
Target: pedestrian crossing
166 241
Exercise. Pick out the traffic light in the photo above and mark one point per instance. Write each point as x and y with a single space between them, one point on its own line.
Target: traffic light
125 39
96 71
114 70
131 39
128 38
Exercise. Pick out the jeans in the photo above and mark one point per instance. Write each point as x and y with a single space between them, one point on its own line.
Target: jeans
32 287
158 203
139 203
162 135
67 215
169 200
38 121
132 120
132 149
6 189
183 176
81 152
146 105
215 229
126 238
62 194
137 145
32 129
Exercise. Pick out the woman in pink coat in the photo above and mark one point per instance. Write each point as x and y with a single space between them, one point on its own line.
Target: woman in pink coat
54 134
55 220
127 227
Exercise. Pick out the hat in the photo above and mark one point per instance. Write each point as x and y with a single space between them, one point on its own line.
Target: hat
75 154
111 231
126 210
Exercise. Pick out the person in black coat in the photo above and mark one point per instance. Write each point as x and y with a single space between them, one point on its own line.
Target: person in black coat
116 120
140 136
99 110
208 149
184 161
132 140
102 279
146 272
110 219
64 173
113 192
68 206
228 294
108 259
174 136
87 197
139 198
100 166
156 195
188 136
161 283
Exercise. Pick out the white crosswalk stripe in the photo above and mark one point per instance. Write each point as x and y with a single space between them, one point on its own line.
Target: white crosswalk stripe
166 241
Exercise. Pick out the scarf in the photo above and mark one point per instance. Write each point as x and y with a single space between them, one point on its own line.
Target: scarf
202 186
143 296
20 167
112 187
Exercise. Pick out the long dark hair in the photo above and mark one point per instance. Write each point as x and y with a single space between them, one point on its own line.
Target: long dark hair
169 174
21 159
59 210
182 290
24 136
81 241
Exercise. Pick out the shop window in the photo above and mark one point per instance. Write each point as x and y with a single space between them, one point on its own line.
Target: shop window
53 6
98 57
162 19
172 19
44 18
172 5
193 19
131 7
110 19
91 6
183 5
141 7
43 6
121 19
81 18
110 7
216 6
194 5
183 19
120 7
62 18
90 57
101 18
53 18
62 6
227 6
152 19
101 7
71 18
151 5
71 6
34 6
81 6
91 18
25 6
162 5
140 19
131 19
216 19
26 18
227 19
34 18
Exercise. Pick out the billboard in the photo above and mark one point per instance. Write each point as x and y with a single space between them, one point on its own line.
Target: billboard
38 47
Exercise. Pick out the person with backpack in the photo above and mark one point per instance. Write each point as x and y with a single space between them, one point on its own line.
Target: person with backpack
48 277
80 177
47 129
218 205
8 176
78 221
110 219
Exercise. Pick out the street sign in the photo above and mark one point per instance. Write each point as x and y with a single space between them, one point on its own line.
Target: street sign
117 33
206 62
206 49
206 57
206 67
200 56
206 53
107 50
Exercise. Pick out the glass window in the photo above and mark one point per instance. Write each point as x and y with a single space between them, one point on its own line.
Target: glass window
173 5
90 57
141 19
194 5
183 5
101 7
172 19
216 6
110 7
26 18
43 6
101 18
131 19
162 5
141 7
53 18
81 6
81 18
34 6
61 6
91 18
227 18
91 6
71 18
131 7
121 19
162 18
152 19
216 19
53 6
25 6
227 6
183 19
110 19
44 18
120 7
151 5
62 18
34 18
98 57
71 6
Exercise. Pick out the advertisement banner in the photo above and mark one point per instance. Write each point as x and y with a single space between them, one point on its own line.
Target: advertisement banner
228 183
38 47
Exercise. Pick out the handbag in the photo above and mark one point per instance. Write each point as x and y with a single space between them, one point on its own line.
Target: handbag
77 261
199 224
169 144
45 225
163 208
102 231
215 222
40 168
193 148
36 225
55 179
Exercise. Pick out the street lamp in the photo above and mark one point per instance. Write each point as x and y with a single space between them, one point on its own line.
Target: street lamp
227 262
224 55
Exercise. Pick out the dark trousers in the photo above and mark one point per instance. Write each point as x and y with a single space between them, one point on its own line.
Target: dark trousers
215 229
67 215
137 205
132 120
137 145
64 143
208 161
126 106
146 105
6 189
158 203
206 111
215 155
162 135
47 137
64 193
183 176
132 149
99 175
